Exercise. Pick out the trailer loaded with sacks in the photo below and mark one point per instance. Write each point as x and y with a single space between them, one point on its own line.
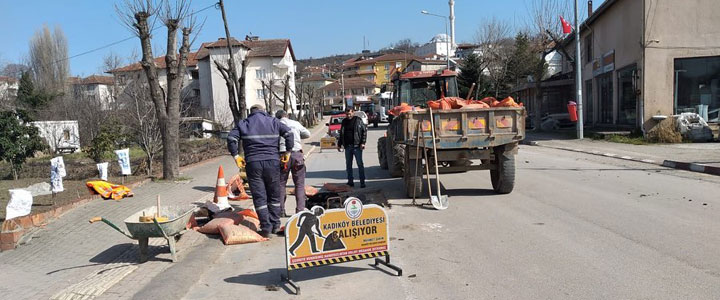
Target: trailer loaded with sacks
462 135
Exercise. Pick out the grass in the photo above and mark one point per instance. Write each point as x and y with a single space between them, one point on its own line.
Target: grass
626 139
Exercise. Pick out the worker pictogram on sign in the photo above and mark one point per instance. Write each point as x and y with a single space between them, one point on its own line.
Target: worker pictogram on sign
321 237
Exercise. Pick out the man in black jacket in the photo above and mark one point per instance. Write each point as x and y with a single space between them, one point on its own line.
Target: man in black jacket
353 134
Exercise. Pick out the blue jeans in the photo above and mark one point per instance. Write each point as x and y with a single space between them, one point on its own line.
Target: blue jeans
355 151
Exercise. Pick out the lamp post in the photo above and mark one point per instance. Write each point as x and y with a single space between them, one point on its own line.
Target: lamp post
447 42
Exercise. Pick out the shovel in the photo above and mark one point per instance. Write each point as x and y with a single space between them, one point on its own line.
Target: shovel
439 202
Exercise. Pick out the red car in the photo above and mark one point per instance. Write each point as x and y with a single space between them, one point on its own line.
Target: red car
334 125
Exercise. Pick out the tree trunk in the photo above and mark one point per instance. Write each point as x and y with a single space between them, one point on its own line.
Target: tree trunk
286 93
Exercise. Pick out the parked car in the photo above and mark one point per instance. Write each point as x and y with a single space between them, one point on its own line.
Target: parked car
334 125
363 116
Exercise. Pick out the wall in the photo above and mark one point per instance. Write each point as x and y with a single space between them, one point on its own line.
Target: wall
618 29
213 89
52 132
675 29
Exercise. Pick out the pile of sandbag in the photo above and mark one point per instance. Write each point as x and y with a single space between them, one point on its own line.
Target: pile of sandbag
403 107
460 103
234 227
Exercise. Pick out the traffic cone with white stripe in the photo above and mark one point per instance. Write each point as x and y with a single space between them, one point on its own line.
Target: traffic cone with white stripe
220 200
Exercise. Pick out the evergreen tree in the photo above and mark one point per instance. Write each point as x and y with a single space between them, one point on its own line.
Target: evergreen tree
471 72
28 97
523 61
18 139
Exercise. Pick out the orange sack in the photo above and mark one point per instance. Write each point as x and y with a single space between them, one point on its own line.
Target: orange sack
397 110
507 102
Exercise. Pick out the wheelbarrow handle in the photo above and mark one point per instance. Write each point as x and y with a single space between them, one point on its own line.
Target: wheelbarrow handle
95 219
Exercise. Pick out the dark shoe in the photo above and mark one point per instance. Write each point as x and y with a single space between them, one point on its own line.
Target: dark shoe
362 185
279 231
265 234
350 183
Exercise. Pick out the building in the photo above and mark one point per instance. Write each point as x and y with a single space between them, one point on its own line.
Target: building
8 90
60 135
637 65
438 45
377 69
316 81
96 87
430 64
356 90
270 66
465 49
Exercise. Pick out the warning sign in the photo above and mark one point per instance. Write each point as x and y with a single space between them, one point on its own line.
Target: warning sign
319 237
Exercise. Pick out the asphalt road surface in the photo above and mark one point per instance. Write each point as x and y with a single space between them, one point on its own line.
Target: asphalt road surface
575 227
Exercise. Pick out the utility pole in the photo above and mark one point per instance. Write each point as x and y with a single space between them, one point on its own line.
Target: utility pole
342 84
578 74
231 63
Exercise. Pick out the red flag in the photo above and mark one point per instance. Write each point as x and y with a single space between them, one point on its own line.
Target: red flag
566 26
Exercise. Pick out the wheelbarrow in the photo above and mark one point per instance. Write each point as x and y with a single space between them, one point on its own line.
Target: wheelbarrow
171 229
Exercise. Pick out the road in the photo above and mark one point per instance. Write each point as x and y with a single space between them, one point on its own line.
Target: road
575 227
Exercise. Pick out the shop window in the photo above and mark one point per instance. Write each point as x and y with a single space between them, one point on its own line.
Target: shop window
588 104
605 98
697 86
627 98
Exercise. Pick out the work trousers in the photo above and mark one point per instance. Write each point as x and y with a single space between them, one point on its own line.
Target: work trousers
296 165
350 152
264 177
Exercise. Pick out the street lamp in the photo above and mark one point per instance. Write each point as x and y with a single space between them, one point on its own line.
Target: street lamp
447 42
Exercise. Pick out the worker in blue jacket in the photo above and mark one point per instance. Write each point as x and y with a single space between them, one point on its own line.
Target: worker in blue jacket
260 135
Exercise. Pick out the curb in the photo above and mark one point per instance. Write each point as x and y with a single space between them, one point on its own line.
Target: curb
597 153
692 167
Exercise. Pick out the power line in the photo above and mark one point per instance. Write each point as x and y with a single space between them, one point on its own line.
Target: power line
123 40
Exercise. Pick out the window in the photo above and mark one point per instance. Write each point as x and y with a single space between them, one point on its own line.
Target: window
66 134
387 66
588 49
260 93
697 86
195 74
260 73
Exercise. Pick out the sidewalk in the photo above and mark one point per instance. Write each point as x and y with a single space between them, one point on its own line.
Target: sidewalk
697 157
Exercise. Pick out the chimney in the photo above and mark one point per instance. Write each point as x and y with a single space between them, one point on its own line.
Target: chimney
452 22
590 8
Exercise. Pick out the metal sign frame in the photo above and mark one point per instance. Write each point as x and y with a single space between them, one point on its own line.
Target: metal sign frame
334 256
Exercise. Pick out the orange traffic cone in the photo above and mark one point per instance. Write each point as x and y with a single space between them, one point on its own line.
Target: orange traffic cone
220 200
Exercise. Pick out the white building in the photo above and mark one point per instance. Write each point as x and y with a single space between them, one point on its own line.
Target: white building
270 61
438 45
60 135
8 90
96 87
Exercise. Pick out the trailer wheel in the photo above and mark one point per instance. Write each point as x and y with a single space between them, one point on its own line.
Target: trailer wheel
382 153
413 182
394 155
503 177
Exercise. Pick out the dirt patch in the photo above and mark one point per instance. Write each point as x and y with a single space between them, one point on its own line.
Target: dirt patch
84 169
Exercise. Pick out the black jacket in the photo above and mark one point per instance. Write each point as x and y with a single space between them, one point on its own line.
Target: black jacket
356 132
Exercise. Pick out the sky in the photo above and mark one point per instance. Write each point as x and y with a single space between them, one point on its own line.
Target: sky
316 28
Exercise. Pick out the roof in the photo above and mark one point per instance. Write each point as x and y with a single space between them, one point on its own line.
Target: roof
429 61
317 77
395 57
8 79
96 79
467 46
427 74
257 48
159 63
350 83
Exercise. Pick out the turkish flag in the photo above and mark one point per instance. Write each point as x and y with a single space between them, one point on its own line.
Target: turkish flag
566 26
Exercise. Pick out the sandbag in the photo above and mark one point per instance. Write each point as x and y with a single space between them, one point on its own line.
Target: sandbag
476 105
213 227
238 234
236 188
397 110
234 216
251 223
249 213
507 102
192 223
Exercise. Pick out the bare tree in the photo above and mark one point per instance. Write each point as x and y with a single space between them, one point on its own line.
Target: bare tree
544 23
48 60
493 36
141 119
237 107
138 15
